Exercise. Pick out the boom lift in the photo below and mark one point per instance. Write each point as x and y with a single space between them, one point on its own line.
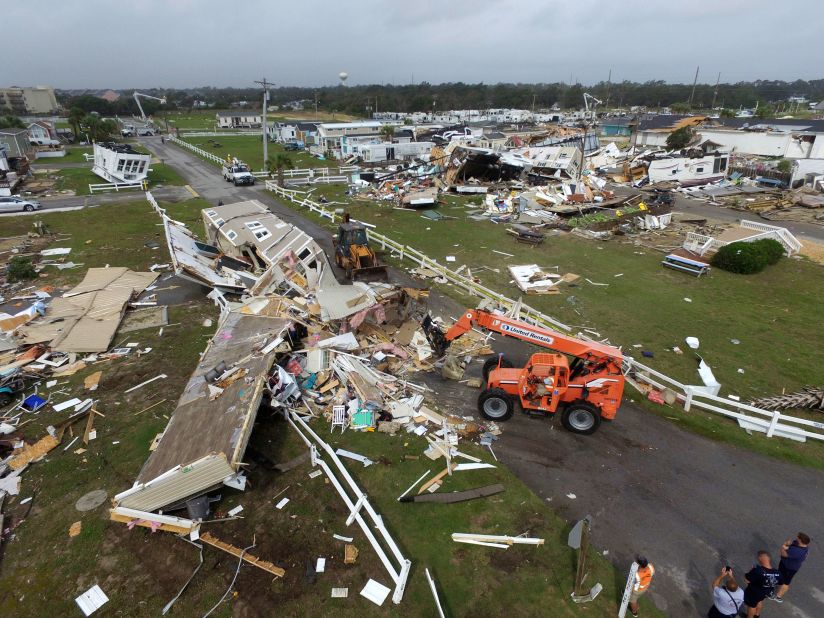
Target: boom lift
137 96
586 390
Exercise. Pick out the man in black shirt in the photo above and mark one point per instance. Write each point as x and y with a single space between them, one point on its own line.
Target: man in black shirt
761 582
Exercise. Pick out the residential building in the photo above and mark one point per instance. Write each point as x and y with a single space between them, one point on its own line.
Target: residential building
34 100
109 95
787 137
376 152
239 119
120 163
16 143
249 232
616 126
330 134
42 133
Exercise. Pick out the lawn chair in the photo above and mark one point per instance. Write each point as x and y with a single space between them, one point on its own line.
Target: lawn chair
339 418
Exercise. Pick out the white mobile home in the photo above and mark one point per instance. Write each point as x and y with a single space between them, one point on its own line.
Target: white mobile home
120 163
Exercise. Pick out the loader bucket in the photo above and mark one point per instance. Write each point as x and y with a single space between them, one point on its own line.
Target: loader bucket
435 336
370 273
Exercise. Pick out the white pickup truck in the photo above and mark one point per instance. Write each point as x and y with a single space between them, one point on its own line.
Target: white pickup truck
237 172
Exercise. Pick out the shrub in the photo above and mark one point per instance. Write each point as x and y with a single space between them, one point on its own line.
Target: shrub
20 269
747 258
773 249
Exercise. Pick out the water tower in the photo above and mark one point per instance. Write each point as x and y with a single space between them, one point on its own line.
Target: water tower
343 76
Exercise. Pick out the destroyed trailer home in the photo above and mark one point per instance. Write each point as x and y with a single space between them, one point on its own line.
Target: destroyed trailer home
253 252
203 444
86 317
120 163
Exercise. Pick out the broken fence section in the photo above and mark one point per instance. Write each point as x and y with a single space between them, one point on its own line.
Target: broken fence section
771 423
404 252
357 503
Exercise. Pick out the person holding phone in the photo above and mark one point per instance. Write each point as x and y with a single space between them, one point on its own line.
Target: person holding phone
727 597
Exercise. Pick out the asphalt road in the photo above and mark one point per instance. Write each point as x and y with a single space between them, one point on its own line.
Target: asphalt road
689 504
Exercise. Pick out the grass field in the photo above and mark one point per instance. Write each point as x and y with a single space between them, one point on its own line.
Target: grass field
78 179
249 148
773 315
205 120
140 571
74 154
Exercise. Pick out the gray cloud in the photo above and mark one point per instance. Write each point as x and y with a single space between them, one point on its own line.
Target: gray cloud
181 43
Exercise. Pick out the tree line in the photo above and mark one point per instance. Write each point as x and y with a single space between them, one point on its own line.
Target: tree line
424 97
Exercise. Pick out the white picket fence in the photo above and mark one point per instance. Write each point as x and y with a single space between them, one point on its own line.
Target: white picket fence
199 151
116 186
306 172
227 133
404 252
771 423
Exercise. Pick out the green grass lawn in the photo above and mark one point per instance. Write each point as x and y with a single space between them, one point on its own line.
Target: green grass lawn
774 314
74 154
249 148
78 179
140 571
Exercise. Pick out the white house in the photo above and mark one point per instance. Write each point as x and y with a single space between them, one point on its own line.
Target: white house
330 134
120 163
239 119
42 133
375 152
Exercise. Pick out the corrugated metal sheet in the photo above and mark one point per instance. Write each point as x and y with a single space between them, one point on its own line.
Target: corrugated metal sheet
184 482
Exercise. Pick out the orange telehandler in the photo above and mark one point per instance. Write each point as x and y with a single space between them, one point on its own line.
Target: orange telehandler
586 390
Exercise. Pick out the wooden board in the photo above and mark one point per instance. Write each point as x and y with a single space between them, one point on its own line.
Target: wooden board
30 452
125 519
236 551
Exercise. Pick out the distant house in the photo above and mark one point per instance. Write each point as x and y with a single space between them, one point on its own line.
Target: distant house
42 133
819 107
239 120
307 132
330 134
616 127
108 95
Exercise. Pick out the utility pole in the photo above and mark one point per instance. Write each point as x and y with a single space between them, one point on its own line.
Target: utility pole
316 104
265 86
609 87
715 92
694 82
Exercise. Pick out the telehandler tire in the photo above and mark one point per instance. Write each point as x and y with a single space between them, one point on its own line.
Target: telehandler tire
581 418
492 363
495 404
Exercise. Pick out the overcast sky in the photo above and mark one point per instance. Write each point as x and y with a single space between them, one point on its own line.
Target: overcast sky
184 43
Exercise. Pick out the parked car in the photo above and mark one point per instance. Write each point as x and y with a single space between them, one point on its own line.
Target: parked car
15 203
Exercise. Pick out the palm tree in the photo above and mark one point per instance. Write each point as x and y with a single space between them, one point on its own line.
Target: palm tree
76 115
388 132
278 163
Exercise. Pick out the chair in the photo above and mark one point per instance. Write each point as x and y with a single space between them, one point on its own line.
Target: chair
339 418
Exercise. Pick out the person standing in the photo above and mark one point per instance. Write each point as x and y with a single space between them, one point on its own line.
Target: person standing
793 554
643 578
727 597
761 582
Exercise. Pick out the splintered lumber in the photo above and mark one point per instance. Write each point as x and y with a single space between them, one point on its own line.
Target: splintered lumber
237 552
467 537
144 519
31 452
434 480
457 496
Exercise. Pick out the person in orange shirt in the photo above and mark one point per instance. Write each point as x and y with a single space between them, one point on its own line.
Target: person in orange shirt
643 578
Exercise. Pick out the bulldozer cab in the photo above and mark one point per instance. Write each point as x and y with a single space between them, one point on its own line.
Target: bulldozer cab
543 381
351 234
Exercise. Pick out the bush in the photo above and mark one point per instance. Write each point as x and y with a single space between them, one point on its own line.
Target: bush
773 249
20 269
747 258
